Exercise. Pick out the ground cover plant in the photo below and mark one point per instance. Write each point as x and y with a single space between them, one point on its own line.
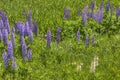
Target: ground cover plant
59 40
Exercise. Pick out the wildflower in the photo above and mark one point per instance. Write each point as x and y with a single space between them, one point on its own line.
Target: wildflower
100 16
1 38
78 35
58 34
92 5
84 16
26 28
5 21
18 26
48 38
66 13
5 59
102 5
5 36
29 54
1 24
30 20
10 51
87 41
14 65
30 35
117 13
13 39
24 51
107 6
35 28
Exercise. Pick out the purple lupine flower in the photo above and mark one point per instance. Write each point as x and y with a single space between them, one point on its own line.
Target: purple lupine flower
10 51
18 26
13 29
84 16
5 59
78 36
14 65
13 39
22 40
30 20
24 51
26 29
21 30
5 21
92 5
102 5
93 40
1 38
5 36
30 36
117 12
58 34
35 28
66 13
89 14
87 41
107 6
1 24
29 54
100 16
95 16
48 38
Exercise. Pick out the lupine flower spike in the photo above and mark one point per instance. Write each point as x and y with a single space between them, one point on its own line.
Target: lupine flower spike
48 38
14 65
58 34
5 59
78 35
29 54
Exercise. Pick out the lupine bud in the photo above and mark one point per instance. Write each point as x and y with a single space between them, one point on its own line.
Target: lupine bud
13 30
30 36
93 40
5 21
1 24
48 38
24 51
102 5
107 6
84 16
5 36
5 59
10 51
78 35
1 38
87 41
35 28
117 13
92 5
30 20
14 65
29 54
13 39
58 34
66 13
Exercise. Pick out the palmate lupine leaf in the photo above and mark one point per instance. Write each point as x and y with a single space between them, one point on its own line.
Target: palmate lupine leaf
58 34
49 38
5 21
5 36
10 51
5 59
